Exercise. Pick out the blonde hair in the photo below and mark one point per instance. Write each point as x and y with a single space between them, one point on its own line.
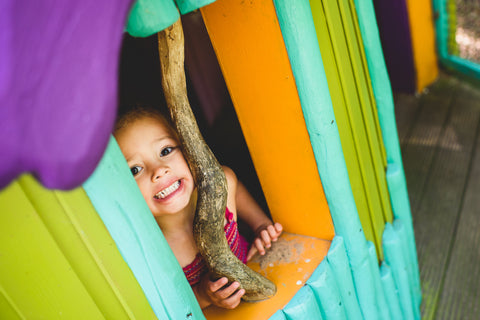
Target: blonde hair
139 112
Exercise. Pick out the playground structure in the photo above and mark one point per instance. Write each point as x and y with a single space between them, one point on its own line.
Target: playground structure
310 87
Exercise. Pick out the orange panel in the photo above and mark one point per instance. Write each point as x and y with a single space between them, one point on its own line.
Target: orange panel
423 41
289 264
250 49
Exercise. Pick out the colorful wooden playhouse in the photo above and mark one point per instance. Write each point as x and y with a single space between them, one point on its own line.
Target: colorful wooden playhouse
309 85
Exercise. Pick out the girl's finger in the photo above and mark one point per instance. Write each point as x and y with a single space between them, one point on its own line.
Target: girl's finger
278 227
272 233
266 238
234 300
228 291
251 252
214 286
259 245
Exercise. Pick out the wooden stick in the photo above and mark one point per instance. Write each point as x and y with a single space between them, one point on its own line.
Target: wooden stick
207 173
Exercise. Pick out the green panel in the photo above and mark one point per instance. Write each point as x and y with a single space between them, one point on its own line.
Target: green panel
70 246
83 239
355 111
341 115
368 105
33 271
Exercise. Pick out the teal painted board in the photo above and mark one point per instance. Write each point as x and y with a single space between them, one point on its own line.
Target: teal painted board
338 260
394 258
381 301
119 203
151 16
299 34
303 306
298 31
327 293
186 6
279 315
401 232
390 292
396 182
401 204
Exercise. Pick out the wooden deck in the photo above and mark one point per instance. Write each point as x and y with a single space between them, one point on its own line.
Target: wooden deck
438 132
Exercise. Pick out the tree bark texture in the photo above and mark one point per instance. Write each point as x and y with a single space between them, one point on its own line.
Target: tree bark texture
207 173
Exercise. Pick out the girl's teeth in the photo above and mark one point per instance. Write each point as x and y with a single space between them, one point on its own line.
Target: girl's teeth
167 191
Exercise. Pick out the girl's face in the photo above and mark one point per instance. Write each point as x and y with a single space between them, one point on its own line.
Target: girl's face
157 163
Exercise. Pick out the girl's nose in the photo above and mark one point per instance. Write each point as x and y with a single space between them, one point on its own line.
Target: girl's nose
159 172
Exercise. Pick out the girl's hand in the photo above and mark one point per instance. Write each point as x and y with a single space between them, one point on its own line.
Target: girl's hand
264 239
225 297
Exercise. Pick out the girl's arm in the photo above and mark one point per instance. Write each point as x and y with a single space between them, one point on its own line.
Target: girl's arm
249 211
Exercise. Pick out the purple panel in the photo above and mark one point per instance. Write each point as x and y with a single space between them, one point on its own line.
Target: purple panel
394 28
58 86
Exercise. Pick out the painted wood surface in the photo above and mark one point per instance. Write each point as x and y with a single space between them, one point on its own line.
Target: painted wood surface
118 201
394 30
442 28
262 87
148 17
58 261
355 112
303 306
420 16
289 264
395 174
310 76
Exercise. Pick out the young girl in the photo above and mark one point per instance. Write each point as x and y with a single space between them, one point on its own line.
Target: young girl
151 148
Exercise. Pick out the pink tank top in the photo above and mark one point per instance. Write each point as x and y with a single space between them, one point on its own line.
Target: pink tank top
237 243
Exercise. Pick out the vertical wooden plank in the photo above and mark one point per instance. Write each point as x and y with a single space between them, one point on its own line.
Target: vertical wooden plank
33 271
118 201
380 299
341 115
390 291
365 182
8 309
91 252
368 106
393 256
338 260
420 16
327 292
383 95
303 306
258 75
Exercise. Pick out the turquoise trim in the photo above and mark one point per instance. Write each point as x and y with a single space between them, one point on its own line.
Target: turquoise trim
148 17
396 182
303 306
465 66
119 203
327 293
390 292
377 286
338 260
186 6
392 247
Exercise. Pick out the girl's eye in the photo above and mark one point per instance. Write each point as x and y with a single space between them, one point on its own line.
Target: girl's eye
135 170
166 151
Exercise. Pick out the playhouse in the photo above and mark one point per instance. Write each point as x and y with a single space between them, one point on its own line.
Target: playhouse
304 86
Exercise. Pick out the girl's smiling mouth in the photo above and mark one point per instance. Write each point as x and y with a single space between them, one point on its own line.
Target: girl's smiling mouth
168 191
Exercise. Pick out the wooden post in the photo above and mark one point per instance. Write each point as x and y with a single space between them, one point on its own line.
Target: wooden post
207 173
